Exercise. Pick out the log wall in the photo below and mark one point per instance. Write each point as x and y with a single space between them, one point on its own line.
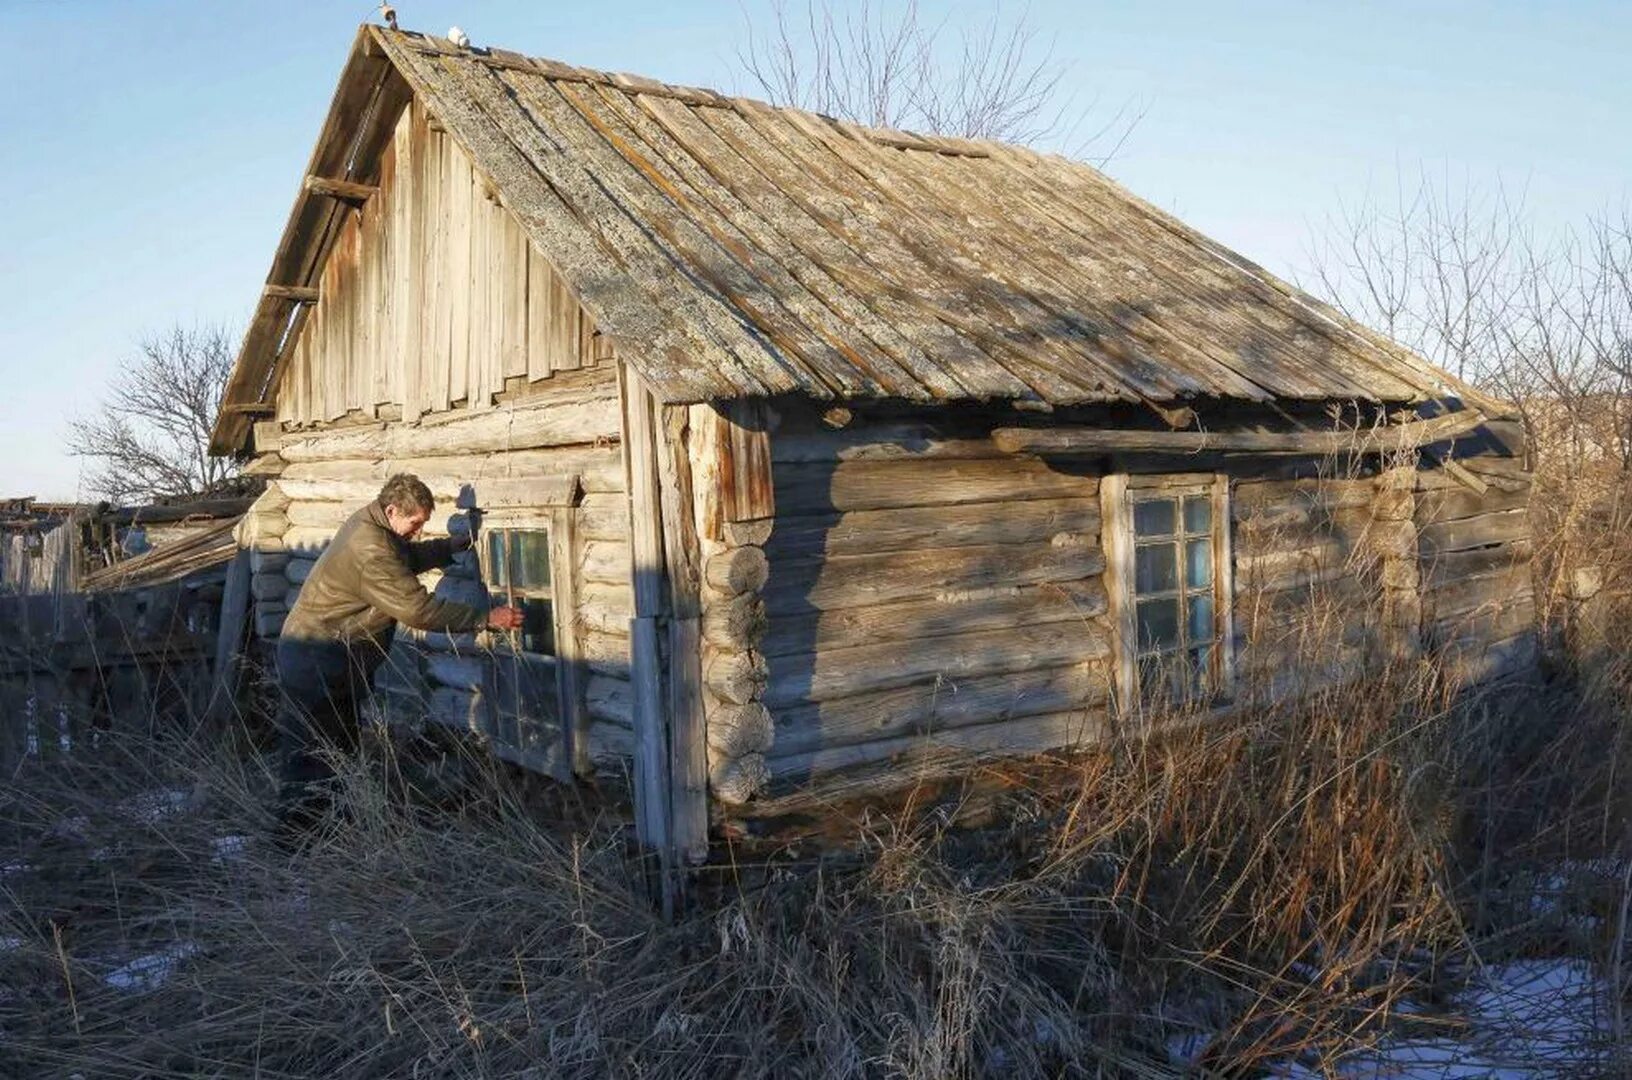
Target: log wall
463 681
923 591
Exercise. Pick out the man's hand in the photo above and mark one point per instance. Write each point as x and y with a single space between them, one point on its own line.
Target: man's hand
504 618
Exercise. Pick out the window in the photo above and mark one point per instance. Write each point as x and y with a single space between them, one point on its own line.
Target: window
516 570
1169 578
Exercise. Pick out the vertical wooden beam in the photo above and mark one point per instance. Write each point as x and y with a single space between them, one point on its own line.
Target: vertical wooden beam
570 678
688 753
1224 582
1116 533
229 637
652 808
747 493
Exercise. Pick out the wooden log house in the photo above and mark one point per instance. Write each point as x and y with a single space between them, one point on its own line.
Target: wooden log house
817 451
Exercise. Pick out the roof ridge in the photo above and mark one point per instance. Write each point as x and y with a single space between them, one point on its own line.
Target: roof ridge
703 97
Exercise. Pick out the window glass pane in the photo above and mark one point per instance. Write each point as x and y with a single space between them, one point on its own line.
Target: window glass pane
1155 568
1198 513
1201 662
1201 618
1198 563
530 559
495 560
537 627
1158 623
1154 517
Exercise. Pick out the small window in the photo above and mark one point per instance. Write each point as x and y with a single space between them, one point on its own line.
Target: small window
516 569
1178 620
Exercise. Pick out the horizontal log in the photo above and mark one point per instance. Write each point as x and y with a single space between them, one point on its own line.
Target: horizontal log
591 419
1451 566
735 730
610 699
324 515
467 671
303 294
259 526
736 780
298 569
606 607
837 673
1451 504
1287 496
268 562
269 622
602 517
939 706
735 624
1501 527
359 481
879 442
463 710
1299 568
347 190
268 586
307 541
864 532
1495 591
606 562
963 747
559 490
1084 440
865 580
737 570
876 485
949 612
736 678
748 533
1469 662
1484 624
611 744
605 653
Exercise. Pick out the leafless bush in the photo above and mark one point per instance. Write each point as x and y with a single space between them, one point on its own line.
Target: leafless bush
884 66
150 437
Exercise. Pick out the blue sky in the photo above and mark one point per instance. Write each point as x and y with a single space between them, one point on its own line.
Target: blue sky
152 147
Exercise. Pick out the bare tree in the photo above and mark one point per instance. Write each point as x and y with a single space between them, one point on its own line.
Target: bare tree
150 437
885 67
1544 322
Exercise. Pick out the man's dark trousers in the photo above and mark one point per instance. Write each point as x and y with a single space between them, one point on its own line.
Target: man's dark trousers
324 684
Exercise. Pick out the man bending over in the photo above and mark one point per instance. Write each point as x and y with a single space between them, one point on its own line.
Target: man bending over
341 627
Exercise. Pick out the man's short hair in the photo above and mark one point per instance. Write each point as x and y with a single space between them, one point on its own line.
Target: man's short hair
408 494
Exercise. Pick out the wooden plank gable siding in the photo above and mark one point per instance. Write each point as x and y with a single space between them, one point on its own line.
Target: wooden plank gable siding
432 298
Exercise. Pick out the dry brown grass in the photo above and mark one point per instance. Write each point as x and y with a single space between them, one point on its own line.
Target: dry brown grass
1285 882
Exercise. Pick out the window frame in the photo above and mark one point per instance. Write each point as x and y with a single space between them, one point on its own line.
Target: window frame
1119 492
512 593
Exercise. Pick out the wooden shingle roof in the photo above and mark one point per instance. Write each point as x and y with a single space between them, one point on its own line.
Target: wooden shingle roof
732 249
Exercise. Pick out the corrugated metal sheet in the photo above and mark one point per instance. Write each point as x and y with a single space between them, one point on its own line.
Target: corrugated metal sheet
732 249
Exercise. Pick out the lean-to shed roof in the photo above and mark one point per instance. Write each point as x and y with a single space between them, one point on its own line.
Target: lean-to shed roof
732 249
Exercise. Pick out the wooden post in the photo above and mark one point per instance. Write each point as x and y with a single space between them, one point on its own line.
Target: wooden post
1116 533
229 637
652 807
688 754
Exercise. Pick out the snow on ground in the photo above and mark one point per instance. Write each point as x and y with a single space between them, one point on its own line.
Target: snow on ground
147 973
1526 1019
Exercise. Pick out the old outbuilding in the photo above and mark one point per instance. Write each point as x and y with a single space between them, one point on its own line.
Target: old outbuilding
821 453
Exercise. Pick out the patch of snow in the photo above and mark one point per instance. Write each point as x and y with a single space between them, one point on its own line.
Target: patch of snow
10 944
1186 1048
12 868
71 828
147 973
225 849
1527 1019
151 807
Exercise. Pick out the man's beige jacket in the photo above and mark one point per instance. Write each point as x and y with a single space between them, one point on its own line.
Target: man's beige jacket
367 581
